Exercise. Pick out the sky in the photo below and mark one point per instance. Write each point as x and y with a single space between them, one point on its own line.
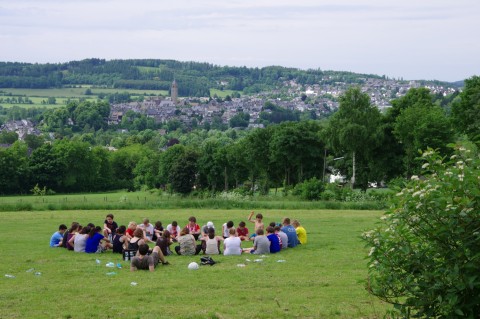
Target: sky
409 39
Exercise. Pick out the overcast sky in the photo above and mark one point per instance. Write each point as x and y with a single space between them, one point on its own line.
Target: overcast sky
413 39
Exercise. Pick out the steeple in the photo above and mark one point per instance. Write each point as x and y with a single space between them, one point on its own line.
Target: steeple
174 92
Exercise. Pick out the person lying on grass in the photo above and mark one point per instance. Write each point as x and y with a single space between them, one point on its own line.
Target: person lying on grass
144 262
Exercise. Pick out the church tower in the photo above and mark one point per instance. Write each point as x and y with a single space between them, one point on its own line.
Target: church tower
174 92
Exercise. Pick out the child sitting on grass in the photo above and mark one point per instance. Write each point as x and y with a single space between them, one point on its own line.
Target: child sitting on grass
258 223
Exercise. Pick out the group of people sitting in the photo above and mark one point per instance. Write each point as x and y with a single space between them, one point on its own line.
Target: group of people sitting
190 240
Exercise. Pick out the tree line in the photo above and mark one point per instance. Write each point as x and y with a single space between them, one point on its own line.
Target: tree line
194 78
363 143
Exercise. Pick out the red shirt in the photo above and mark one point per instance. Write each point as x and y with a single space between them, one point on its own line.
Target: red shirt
193 229
129 231
242 232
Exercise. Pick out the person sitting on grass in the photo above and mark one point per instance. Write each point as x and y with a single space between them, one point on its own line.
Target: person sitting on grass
193 227
301 232
144 262
157 230
211 243
206 227
242 231
226 229
283 237
109 227
261 244
164 243
232 245
137 239
291 233
79 241
186 244
74 229
174 230
119 240
148 230
57 237
275 245
130 229
94 241
258 223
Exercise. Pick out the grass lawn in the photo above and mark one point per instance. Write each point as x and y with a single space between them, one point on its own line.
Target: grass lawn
221 93
323 279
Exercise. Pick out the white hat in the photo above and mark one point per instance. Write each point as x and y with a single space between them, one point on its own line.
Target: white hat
210 224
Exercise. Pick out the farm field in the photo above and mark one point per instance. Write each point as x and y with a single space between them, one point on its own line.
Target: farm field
64 94
323 279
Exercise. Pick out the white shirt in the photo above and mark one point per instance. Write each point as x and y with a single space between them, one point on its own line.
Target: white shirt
148 230
232 246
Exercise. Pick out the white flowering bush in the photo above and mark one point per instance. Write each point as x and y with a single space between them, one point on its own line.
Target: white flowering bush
424 258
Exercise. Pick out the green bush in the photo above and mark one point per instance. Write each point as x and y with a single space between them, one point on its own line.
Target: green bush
310 189
425 257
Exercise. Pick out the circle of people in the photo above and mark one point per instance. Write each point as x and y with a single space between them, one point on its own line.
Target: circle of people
134 239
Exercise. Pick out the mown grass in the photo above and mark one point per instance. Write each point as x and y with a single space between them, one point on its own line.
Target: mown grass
221 93
323 279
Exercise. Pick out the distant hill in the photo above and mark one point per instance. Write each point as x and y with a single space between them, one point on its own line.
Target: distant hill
193 78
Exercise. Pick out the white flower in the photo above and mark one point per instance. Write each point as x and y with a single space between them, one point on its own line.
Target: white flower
460 177
372 250
425 165
414 178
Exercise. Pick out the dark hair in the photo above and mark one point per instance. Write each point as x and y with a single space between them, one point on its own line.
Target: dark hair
260 231
121 230
276 228
174 223
270 230
286 221
166 234
85 230
62 227
211 232
91 225
110 215
272 224
93 231
230 224
73 227
241 224
158 224
192 219
232 231
259 216
143 249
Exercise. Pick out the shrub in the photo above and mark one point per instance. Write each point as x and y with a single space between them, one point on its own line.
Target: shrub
310 189
425 257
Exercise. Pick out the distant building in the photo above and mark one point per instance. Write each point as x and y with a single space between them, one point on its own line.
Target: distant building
174 92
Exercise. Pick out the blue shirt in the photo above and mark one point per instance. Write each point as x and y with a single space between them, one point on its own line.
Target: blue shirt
274 243
92 243
291 234
56 239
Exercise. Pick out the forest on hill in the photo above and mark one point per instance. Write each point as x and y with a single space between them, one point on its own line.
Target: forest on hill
194 78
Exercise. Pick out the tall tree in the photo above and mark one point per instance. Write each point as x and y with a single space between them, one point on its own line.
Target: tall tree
354 130
466 112
420 124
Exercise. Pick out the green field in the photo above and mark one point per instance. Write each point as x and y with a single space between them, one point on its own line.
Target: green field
221 93
323 279
62 95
